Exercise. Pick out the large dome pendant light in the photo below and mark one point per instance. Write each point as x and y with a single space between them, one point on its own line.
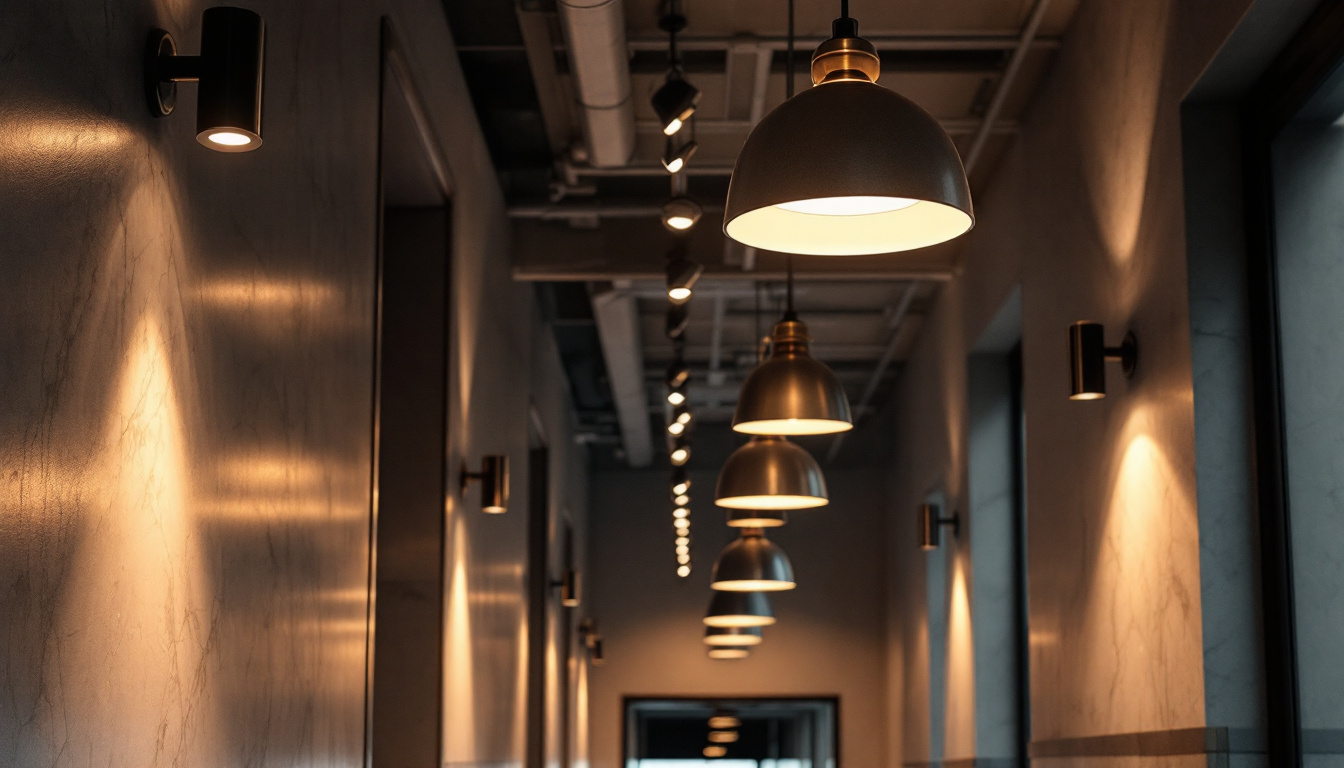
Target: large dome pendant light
791 393
752 564
770 473
847 167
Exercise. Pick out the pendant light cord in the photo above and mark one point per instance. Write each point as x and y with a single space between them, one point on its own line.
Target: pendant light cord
788 58
844 9
789 314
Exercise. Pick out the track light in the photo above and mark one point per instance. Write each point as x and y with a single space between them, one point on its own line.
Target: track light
678 373
739 609
681 276
677 396
681 213
1088 354
681 451
494 477
931 526
675 102
569 585
752 564
675 160
675 428
229 72
770 473
681 484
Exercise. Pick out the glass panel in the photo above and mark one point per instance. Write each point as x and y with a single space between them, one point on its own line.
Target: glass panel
1308 165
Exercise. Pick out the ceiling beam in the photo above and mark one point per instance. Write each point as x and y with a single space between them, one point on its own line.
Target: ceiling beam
617 319
636 249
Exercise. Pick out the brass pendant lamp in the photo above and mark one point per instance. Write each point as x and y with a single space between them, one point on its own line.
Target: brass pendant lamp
752 564
739 609
733 636
847 167
792 393
770 473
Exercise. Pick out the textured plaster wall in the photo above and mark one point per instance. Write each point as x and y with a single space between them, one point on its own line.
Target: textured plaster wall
1085 216
829 639
186 373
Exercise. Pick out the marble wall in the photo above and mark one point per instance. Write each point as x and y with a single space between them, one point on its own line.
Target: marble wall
829 639
1085 218
186 384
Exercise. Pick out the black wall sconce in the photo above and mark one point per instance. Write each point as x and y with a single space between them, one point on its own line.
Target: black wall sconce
931 526
592 641
1088 354
229 72
494 477
570 586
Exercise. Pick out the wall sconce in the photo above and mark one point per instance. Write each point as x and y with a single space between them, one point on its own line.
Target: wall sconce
494 477
1088 354
569 585
592 641
931 526
229 72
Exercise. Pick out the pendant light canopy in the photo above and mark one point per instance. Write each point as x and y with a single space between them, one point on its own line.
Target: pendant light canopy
752 564
770 473
847 167
739 609
734 636
792 393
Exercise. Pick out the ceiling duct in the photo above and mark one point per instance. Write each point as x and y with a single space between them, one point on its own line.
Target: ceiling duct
599 61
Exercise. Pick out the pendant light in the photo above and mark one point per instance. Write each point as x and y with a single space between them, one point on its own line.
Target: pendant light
847 167
739 609
720 721
757 518
752 564
724 652
792 393
735 636
770 473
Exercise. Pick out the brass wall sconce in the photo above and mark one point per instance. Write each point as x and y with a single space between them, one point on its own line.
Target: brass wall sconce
931 526
494 477
592 641
229 73
570 586
1088 354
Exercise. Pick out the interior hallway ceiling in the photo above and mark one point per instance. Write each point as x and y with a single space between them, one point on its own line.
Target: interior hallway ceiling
582 231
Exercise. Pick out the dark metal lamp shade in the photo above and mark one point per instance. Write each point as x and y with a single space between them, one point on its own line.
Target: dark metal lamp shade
770 473
1088 354
733 636
752 564
792 393
847 167
739 609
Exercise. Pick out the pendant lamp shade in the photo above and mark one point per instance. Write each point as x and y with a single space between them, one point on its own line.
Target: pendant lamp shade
757 518
733 636
792 393
752 564
847 167
739 609
770 473
723 652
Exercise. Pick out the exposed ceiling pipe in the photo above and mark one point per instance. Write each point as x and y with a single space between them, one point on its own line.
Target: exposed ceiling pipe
617 319
1000 96
599 59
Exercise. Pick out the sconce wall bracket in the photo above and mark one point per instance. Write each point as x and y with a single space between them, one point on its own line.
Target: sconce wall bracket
931 524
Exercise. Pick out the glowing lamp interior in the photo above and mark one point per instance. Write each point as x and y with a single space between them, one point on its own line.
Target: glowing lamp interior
678 294
739 621
1088 396
776 427
772 502
673 126
858 205
844 226
726 653
756 522
733 640
753 585
680 222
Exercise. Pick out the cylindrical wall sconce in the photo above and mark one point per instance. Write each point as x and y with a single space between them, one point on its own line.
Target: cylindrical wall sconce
570 586
230 72
1088 354
931 525
494 477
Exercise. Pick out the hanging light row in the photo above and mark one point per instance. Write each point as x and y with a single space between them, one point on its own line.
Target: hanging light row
844 168
682 274
722 728
675 103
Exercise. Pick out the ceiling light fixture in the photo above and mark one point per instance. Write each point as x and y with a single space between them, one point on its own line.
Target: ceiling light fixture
681 213
1088 354
724 652
770 473
678 373
674 160
229 72
677 320
715 750
722 737
494 477
681 451
757 518
847 167
739 609
752 563
723 722
737 636
676 100
682 273
931 526
792 393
